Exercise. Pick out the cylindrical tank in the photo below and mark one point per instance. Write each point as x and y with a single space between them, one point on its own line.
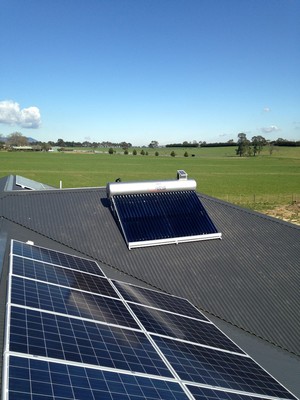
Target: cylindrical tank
118 188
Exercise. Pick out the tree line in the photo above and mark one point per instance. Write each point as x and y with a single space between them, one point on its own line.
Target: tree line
244 146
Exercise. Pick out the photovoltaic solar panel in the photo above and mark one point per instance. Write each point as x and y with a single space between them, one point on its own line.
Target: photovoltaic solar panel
33 379
56 258
159 300
218 368
62 276
75 340
183 328
68 338
63 300
149 219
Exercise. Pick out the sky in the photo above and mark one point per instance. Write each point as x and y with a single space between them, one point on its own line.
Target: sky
143 70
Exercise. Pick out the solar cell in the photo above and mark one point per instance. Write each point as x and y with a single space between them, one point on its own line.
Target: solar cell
35 379
55 257
71 302
183 328
159 300
156 218
218 368
62 276
70 339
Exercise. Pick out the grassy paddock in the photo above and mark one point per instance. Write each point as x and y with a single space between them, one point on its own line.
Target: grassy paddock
256 180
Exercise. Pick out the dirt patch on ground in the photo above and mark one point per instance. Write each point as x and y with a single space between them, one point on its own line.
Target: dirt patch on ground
290 213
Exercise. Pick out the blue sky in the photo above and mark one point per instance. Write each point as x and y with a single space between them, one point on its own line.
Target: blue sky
142 70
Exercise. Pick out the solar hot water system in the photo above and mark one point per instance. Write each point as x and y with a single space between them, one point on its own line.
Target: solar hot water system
152 213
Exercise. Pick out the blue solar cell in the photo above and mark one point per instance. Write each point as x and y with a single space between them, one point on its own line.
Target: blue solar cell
159 300
62 276
183 328
162 215
218 368
33 379
70 339
71 302
55 257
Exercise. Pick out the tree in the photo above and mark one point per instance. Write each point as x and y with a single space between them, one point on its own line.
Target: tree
156 153
258 143
1 141
270 147
17 139
134 152
126 152
60 143
186 154
45 146
243 145
153 144
142 152
111 150
172 154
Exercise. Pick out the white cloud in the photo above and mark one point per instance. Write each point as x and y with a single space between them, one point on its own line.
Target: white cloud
12 114
269 129
266 109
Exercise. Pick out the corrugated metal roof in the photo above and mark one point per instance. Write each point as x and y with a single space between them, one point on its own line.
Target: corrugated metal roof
250 278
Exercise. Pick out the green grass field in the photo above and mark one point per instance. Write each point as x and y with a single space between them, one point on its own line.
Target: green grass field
270 179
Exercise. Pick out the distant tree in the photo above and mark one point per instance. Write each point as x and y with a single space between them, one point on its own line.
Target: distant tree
186 154
17 139
153 144
134 152
156 153
271 148
45 146
1 141
125 145
258 142
146 153
110 150
172 154
60 143
142 152
126 151
243 145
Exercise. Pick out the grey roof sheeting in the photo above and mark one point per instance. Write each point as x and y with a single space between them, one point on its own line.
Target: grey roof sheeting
250 278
